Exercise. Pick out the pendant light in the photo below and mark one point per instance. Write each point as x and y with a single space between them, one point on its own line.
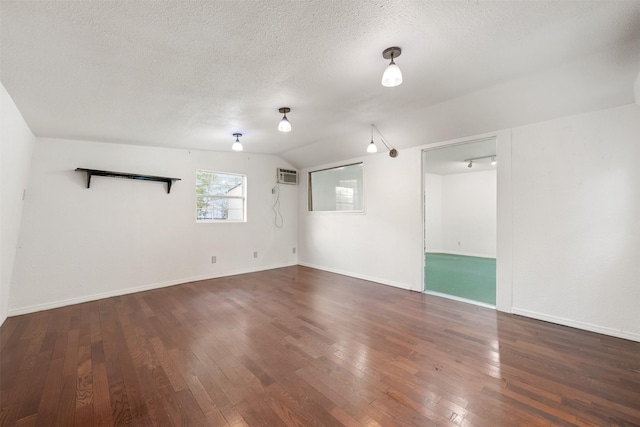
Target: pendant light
237 146
284 125
372 147
392 75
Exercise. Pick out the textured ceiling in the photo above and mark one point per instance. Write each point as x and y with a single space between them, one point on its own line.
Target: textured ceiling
190 74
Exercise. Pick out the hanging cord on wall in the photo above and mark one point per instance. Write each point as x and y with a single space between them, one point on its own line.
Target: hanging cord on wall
276 207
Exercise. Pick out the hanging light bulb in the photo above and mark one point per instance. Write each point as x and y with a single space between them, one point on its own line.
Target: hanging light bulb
371 148
493 161
284 125
392 75
237 146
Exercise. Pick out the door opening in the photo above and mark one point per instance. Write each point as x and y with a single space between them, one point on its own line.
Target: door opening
460 204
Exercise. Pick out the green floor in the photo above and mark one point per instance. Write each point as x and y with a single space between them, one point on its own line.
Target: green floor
467 277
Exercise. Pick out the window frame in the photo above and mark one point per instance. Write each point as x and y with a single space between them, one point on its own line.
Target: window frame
348 212
243 197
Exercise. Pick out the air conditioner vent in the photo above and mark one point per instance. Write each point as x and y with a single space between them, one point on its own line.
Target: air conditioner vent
287 176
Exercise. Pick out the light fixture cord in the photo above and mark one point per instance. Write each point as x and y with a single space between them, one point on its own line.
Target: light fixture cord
276 208
389 147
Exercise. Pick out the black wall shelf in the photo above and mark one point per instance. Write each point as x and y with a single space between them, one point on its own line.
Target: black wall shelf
96 172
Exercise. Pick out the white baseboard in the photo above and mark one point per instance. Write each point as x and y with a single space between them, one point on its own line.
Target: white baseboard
460 299
578 325
78 300
471 254
359 276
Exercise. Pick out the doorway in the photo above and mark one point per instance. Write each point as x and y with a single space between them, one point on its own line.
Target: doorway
460 206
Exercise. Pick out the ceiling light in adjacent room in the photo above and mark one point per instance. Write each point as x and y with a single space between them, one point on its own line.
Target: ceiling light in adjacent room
284 125
493 158
392 75
237 146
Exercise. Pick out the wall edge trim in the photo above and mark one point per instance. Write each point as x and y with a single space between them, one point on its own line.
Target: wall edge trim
358 276
94 297
590 327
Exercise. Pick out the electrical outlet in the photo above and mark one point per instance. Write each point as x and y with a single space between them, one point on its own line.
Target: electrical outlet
294 250
213 260
255 254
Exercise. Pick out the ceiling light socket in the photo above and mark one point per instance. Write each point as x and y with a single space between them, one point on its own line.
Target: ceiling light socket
391 52
284 110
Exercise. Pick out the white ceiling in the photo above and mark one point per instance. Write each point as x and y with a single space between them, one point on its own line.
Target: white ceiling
190 74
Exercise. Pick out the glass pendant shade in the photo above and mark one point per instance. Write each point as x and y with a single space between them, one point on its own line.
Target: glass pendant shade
372 148
284 125
237 146
392 75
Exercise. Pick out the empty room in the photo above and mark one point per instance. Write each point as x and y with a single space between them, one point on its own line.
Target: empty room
319 213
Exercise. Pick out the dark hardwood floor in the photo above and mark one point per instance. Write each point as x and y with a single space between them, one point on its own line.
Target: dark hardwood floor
302 347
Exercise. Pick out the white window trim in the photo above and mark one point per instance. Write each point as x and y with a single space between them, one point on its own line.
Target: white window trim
243 198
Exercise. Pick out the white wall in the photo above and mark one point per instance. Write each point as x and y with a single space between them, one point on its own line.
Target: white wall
122 235
433 212
568 229
469 214
385 243
576 221
16 147
460 213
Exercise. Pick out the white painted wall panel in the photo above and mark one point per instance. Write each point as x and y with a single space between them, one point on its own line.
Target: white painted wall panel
122 235
16 148
433 212
385 243
576 220
469 214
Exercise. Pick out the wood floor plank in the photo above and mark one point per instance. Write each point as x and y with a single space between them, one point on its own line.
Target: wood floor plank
301 347
101 395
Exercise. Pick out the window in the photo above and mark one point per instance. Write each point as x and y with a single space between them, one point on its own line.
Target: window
220 197
336 189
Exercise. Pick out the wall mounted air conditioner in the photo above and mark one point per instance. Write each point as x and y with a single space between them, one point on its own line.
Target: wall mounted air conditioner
287 176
